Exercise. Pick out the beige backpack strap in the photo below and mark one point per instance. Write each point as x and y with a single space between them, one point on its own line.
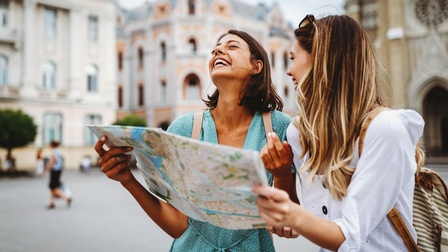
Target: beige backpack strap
393 215
197 125
402 230
267 120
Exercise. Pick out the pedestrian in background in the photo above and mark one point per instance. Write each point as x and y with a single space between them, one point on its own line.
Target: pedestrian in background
345 196
39 162
55 166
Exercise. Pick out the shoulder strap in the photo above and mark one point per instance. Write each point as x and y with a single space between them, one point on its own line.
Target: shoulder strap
393 214
267 120
197 124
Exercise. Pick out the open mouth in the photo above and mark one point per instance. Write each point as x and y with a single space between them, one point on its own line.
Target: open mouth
220 62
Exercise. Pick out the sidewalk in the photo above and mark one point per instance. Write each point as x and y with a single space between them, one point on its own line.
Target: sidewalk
103 217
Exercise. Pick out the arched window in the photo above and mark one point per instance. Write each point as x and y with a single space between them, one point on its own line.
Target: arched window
4 9
192 46
52 127
141 95
163 50
92 78
48 75
120 96
90 138
141 57
191 7
163 94
120 61
285 60
3 70
192 88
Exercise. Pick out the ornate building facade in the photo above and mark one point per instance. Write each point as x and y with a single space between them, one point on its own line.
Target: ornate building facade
164 48
57 64
412 40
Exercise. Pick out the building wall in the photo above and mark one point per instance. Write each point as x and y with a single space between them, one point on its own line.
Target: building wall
169 22
27 47
412 41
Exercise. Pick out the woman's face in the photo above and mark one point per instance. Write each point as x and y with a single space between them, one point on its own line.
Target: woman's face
231 59
300 63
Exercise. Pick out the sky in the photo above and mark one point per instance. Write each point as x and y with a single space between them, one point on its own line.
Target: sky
294 10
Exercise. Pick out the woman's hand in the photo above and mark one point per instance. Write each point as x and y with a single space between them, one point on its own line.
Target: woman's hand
286 232
114 162
276 208
277 156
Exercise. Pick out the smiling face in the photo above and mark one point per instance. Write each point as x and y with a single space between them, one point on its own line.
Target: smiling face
300 63
231 59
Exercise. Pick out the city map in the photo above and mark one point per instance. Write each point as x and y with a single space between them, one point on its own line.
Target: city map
207 182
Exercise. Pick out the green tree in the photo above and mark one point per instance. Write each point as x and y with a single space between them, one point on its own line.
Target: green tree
17 130
131 120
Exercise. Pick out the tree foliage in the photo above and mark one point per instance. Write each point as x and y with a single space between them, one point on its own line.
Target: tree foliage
17 129
131 120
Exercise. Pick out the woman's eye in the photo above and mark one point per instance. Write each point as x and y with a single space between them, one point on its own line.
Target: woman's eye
213 52
291 58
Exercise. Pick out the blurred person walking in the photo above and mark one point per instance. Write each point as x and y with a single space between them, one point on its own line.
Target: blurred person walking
55 166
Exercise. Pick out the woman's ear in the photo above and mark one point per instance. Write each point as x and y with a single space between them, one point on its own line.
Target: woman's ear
257 67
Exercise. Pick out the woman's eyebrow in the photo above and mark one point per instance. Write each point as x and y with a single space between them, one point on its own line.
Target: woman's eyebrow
228 42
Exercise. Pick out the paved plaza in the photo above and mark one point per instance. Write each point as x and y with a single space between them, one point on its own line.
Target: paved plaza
103 217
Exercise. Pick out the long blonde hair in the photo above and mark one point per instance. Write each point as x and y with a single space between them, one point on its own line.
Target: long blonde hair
335 97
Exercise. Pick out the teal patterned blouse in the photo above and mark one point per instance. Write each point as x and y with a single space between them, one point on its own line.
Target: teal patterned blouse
203 236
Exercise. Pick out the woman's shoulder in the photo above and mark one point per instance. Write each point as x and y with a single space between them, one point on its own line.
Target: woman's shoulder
393 123
182 125
280 118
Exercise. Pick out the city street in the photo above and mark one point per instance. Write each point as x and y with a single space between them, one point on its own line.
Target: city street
103 217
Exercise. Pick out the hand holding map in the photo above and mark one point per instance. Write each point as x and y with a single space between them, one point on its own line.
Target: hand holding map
207 182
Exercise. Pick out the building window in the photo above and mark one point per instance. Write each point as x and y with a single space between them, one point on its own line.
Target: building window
163 51
3 70
141 57
141 95
48 75
192 88
163 92
191 7
4 9
90 138
52 127
285 60
50 23
92 78
120 61
93 28
192 46
120 96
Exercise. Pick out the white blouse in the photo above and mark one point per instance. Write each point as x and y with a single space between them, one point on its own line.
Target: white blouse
383 178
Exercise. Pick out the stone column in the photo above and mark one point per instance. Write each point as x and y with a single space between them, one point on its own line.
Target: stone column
76 35
29 66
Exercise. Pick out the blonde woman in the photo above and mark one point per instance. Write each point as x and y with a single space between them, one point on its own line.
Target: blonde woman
345 196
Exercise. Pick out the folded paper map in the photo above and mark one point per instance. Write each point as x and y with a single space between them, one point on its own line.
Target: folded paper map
207 182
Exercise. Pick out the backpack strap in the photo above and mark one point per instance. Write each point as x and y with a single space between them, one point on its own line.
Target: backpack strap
197 124
393 214
267 120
